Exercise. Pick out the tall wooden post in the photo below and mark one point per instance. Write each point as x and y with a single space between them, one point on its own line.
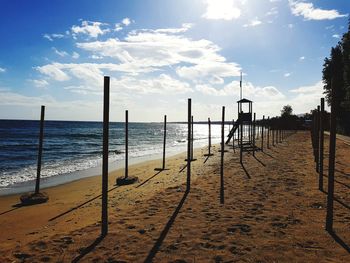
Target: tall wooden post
254 135
331 164
321 144
104 217
233 137
268 132
164 143
209 139
40 150
262 133
222 156
189 136
273 136
241 143
126 144
317 137
192 131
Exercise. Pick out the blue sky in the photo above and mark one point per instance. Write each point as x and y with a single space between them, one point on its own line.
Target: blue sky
161 52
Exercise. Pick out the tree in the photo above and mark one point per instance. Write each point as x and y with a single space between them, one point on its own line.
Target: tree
286 111
336 74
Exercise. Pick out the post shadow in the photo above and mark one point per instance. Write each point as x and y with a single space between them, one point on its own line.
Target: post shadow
141 184
245 170
256 158
80 205
88 249
166 229
339 240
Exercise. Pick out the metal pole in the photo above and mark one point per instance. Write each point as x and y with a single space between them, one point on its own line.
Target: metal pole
40 150
321 144
189 133
104 219
164 142
331 164
222 157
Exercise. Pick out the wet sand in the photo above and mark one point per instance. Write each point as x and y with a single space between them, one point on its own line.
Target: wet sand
273 212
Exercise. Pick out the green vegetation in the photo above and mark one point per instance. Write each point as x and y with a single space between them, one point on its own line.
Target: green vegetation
336 74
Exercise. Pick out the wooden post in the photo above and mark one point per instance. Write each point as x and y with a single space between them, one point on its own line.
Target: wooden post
233 137
189 136
262 133
321 144
254 135
164 142
104 219
192 138
268 132
331 164
222 156
317 139
40 150
209 139
241 143
273 136
126 144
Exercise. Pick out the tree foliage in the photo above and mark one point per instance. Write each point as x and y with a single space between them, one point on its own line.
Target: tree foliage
336 74
287 110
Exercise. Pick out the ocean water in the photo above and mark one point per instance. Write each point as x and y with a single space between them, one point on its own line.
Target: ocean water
77 146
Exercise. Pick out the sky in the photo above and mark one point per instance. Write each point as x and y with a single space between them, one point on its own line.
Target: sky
159 53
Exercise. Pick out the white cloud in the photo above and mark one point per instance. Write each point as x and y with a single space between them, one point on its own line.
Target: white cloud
273 12
290 26
60 53
118 27
151 50
266 94
309 12
302 58
2 70
184 28
51 37
313 89
92 29
223 9
126 21
252 23
53 70
336 36
39 83
287 74
75 55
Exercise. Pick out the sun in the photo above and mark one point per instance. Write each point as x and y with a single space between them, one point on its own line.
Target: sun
222 9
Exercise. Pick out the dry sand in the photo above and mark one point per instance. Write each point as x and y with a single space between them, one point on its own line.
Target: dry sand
273 212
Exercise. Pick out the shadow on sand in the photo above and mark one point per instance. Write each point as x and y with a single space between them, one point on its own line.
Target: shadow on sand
141 184
245 170
339 241
256 158
166 229
88 249
15 207
78 206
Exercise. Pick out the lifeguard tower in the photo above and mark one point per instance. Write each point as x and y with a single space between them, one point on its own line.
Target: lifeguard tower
244 126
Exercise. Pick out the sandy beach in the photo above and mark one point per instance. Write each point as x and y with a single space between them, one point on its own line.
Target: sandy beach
273 212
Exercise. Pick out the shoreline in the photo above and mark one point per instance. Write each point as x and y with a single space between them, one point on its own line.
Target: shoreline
62 179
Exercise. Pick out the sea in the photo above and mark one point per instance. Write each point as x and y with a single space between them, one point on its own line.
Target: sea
73 149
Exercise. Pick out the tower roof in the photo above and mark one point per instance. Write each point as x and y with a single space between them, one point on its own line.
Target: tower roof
244 101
